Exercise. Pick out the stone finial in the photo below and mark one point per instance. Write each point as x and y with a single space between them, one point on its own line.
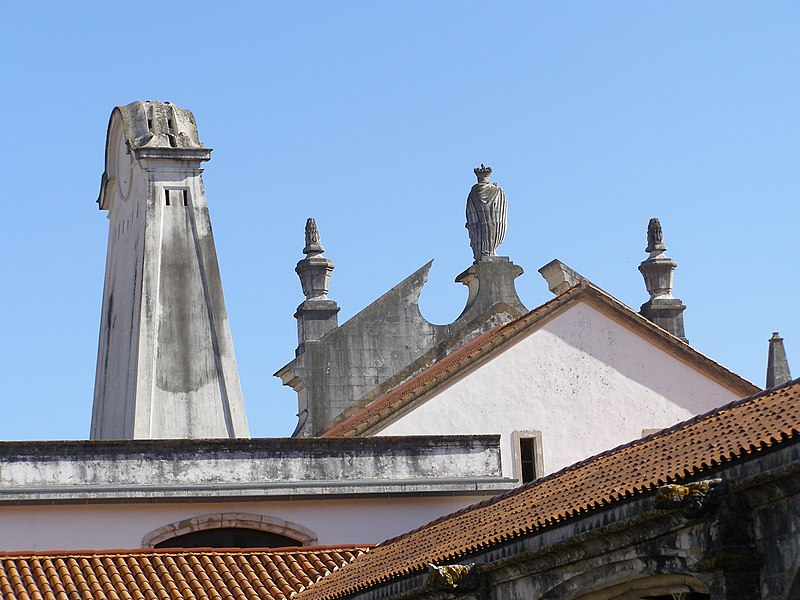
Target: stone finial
777 363
314 270
313 245
487 215
658 271
316 316
655 236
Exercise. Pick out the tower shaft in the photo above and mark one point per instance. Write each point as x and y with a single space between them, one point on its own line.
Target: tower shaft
166 366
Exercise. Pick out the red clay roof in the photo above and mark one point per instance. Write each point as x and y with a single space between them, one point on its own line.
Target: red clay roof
468 355
201 574
745 427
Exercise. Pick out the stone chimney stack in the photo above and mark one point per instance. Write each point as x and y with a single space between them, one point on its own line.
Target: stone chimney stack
658 270
165 361
777 364
490 279
317 315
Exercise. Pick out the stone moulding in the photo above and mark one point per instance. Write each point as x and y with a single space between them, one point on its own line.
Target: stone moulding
223 520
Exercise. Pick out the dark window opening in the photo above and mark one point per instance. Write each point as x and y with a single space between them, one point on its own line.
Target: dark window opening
176 197
229 537
527 455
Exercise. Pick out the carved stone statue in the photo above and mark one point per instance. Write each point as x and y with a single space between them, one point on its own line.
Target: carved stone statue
655 237
487 215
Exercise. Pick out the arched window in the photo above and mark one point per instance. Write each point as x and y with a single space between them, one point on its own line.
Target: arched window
228 537
656 577
230 530
653 587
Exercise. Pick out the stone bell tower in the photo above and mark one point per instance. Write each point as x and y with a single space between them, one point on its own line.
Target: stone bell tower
165 361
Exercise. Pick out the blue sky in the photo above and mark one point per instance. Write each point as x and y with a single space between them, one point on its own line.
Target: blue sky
370 117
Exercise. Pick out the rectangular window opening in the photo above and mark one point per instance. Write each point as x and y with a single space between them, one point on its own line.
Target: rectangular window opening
527 447
527 454
186 197
166 197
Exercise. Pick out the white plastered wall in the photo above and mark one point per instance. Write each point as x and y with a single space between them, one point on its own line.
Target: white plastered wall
585 381
110 526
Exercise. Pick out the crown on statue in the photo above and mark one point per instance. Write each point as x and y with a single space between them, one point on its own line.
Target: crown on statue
483 173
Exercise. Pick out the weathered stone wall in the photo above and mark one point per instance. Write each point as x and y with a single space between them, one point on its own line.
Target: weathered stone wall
383 345
153 470
113 494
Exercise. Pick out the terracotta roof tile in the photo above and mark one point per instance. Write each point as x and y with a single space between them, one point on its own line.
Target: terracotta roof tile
689 449
407 393
198 574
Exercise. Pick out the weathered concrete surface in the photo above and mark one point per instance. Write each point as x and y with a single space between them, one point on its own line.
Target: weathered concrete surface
742 543
165 365
150 470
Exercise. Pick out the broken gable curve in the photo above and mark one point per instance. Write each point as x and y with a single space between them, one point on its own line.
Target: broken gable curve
386 343
403 299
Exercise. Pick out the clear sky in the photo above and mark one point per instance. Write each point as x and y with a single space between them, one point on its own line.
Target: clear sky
370 116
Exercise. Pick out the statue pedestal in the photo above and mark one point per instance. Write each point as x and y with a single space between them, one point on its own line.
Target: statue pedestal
667 313
315 317
491 281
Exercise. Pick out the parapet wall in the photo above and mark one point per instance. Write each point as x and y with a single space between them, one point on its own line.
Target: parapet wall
153 470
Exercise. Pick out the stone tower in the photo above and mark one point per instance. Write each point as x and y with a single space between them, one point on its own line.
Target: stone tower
165 361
